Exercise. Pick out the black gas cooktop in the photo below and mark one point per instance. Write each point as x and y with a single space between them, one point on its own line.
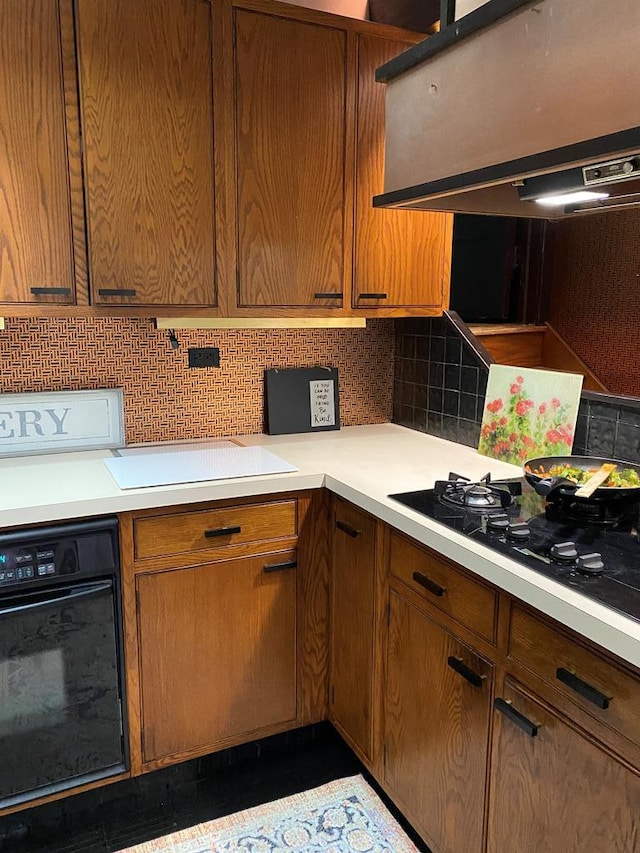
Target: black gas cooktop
589 546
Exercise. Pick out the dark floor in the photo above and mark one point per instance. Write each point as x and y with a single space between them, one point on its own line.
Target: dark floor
125 813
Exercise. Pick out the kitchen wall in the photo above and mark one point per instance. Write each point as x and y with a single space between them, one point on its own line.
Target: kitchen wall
440 385
594 275
165 400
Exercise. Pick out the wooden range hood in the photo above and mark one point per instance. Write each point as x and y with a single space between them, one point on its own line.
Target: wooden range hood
514 100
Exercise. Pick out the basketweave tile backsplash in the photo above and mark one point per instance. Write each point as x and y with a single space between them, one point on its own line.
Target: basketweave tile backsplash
165 400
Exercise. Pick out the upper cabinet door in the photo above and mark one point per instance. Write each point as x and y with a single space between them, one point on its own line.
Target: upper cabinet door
147 116
291 89
402 258
36 220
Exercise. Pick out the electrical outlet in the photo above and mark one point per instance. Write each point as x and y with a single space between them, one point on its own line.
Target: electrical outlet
204 357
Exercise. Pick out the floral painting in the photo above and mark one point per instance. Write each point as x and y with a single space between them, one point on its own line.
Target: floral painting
529 413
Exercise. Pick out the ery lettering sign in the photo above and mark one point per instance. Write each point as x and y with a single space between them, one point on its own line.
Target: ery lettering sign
61 420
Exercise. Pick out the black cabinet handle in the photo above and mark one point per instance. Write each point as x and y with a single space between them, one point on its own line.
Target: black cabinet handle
279 567
463 670
51 291
115 291
516 717
327 295
372 296
348 529
581 687
428 584
222 531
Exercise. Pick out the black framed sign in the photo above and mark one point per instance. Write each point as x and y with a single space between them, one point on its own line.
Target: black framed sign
301 399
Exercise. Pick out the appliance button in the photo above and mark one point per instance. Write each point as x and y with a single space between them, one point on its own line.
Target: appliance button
590 564
518 531
29 571
10 575
564 552
498 523
20 574
42 570
51 568
49 554
1 577
23 558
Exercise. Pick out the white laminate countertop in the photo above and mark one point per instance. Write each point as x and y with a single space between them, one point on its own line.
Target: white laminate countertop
361 464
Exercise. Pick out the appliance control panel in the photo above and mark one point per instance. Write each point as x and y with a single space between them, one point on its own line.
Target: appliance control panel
23 563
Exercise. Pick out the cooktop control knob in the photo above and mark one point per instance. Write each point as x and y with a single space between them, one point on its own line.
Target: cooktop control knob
564 552
518 531
498 523
590 564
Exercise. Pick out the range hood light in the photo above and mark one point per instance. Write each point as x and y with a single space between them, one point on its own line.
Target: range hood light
569 198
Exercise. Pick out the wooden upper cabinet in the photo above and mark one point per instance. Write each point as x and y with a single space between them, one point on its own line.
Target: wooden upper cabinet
147 116
291 112
402 258
37 197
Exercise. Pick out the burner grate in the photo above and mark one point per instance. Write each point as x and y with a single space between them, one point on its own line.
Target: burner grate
482 496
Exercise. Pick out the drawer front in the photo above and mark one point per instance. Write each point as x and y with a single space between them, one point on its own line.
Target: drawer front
187 532
594 683
464 599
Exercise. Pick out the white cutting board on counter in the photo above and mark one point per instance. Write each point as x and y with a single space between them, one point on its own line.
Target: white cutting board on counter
162 468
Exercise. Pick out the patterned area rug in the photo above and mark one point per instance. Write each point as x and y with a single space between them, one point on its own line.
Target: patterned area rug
342 817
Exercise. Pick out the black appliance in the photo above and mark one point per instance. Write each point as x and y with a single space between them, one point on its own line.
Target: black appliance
591 546
62 718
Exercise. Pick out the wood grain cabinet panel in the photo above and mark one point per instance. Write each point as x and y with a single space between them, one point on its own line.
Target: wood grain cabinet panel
199 530
403 256
592 681
557 790
436 730
352 634
36 235
291 82
468 601
217 648
146 101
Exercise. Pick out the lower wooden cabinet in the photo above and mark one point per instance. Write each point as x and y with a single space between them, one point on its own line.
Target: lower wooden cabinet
217 652
553 788
352 626
436 729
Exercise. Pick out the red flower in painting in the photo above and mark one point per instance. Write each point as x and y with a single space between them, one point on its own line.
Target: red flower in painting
556 403
495 405
554 436
522 408
503 421
542 408
519 379
514 389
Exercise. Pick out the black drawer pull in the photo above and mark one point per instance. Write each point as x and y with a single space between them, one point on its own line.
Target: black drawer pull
428 584
222 531
51 291
327 295
279 567
581 687
463 670
516 717
372 296
348 529
116 291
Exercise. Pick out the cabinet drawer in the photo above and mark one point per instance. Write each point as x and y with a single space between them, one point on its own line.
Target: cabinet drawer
593 682
464 599
185 532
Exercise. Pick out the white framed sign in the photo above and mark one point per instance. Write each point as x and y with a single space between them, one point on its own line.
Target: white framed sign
54 421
